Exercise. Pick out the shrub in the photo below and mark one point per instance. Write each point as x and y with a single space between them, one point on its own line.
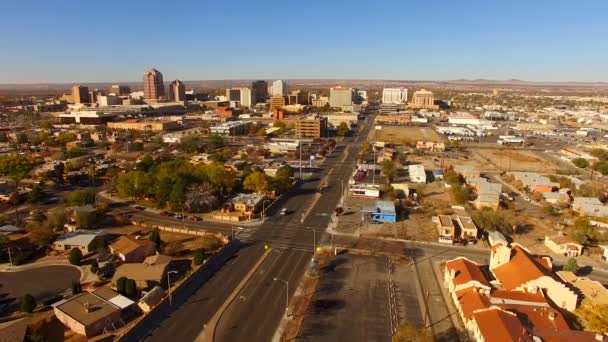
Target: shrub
28 303
199 257
75 256
121 285
571 265
130 288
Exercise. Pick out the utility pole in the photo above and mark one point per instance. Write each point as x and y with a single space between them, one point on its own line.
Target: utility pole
300 159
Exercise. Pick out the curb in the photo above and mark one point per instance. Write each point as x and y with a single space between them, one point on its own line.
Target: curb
208 333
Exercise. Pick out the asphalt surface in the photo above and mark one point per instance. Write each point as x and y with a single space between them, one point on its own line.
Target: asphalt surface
40 282
291 239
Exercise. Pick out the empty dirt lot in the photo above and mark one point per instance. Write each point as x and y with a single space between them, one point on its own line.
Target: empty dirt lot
397 134
512 160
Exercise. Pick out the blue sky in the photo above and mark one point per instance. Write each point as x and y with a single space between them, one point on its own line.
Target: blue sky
89 41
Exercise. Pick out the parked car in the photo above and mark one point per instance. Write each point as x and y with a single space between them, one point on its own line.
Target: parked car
179 216
283 211
139 207
194 218
164 213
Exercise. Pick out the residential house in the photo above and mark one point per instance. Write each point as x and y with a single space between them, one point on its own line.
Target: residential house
446 228
86 241
495 238
563 244
487 201
149 300
247 204
130 249
152 272
417 173
380 211
535 182
468 228
556 197
91 313
590 206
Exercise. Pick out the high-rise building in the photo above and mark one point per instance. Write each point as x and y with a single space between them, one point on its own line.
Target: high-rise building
120 90
94 95
80 94
177 91
423 99
311 127
242 95
259 91
153 85
279 88
298 97
340 96
277 103
394 95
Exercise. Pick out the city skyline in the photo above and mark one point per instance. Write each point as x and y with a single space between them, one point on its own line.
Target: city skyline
541 41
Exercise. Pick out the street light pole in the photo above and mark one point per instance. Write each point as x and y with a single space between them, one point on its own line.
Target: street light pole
169 285
286 293
264 208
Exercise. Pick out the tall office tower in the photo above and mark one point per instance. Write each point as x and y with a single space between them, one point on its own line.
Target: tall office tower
120 90
340 96
394 95
259 91
153 85
242 95
279 88
177 91
94 95
80 94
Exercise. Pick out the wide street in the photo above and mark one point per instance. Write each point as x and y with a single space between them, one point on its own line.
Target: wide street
291 239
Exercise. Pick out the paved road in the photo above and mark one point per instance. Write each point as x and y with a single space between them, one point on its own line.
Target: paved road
292 239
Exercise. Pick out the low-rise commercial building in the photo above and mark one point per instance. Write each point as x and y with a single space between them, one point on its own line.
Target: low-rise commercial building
417 173
311 127
145 125
231 128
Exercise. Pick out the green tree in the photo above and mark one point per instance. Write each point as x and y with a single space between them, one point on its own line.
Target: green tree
388 169
257 182
282 181
600 153
66 137
85 218
155 237
145 164
571 265
130 288
198 258
76 287
75 256
82 197
22 138
594 317
601 167
342 129
16 166
490 220
121 284
36 195
94 267
28 303
452 177
582 231
581 162
461 194
216 141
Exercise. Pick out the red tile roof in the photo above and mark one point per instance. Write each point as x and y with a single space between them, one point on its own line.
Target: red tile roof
471 299
465 271
498 325
551 335
521 269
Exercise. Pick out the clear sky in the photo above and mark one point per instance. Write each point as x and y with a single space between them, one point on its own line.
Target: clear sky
88 41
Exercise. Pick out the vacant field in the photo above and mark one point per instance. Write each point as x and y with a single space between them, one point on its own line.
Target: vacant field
397 134
513 160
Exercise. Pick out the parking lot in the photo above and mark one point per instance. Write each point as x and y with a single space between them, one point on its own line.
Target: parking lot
362 298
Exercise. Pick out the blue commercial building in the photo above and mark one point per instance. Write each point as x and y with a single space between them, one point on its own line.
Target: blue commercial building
381 211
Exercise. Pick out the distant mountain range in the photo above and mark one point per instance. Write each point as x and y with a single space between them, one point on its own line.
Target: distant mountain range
214 84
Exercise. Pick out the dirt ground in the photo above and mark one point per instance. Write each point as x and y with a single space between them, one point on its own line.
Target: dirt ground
396 134
416 225
512 160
